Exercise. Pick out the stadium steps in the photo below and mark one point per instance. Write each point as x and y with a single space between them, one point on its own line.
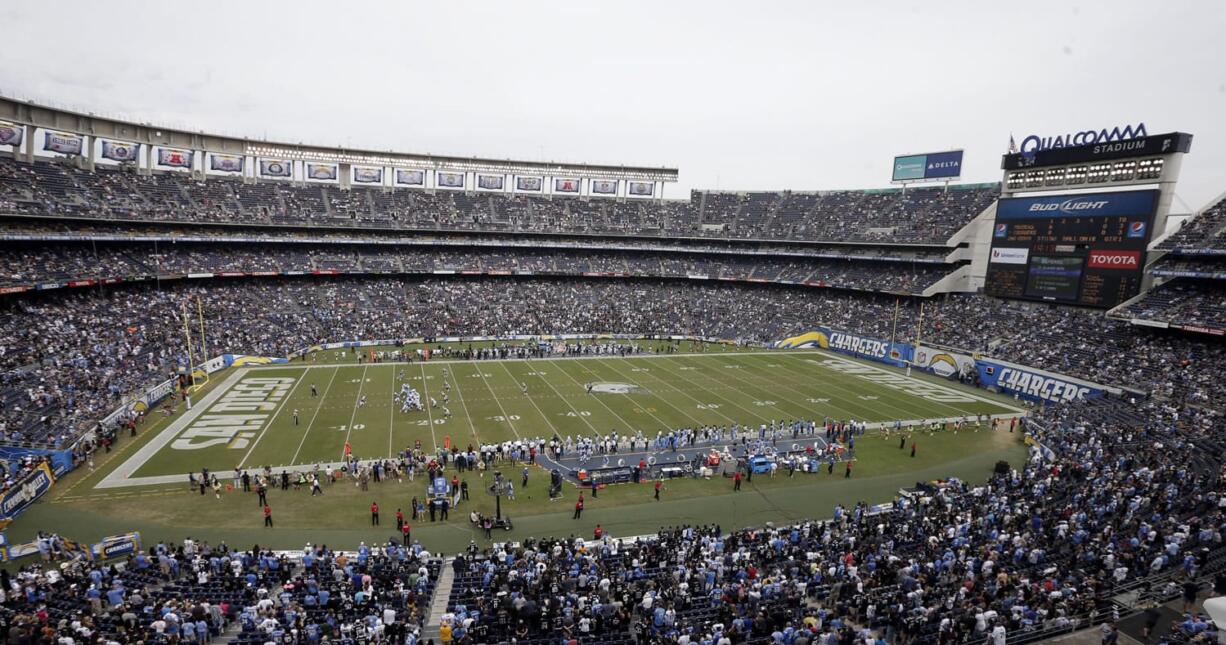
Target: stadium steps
229 634
438 605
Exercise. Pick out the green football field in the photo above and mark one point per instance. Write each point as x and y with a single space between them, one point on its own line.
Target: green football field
244 416
304 414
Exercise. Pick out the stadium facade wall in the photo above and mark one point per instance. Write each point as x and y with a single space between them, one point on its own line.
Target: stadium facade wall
1024 382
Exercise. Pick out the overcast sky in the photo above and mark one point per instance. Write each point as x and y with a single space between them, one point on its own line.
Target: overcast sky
737 95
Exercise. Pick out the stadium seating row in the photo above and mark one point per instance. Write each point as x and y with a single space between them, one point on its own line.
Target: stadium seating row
920 215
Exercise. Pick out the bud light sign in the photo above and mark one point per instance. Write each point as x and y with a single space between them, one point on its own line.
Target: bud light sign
934 165
1129 203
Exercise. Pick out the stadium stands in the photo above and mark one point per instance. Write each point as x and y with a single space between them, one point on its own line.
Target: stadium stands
107 344
1200 303
193 593
1205 231
1032 552
917 216
49 263
1120 496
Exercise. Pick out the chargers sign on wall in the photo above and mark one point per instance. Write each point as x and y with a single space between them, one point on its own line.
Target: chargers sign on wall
1024 382
1035 384
897 354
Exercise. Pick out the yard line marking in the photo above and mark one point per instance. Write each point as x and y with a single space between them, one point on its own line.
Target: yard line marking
459 392
311 423
853 410
349 430
530 400
734 386
598 399
830 403
268 426
427 404
698 424
759 416
905 409
926 383
391 415
506 417
687 395
572 407
749 383
645 408
120 476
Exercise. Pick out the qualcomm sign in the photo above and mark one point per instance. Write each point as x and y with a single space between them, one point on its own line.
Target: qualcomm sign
1034 143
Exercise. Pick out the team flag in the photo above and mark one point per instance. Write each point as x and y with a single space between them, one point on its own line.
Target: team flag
120 151
174 157
69 144
11 134
226 163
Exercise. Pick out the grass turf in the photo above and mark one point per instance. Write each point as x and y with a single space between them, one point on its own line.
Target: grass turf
715 387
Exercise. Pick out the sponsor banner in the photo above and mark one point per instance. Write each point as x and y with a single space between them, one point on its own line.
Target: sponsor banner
565 185
641 188
490 182
11 134
1005 255
276 168
1097 148
16 289
410 177
1034 384
1211 331
116 546
1035 143
934 165
1211 275
25 491
449 179
63 142
321 171
61 460
226 163
1149 323
1184 250
1024 382
530 184
940 165
897 354
1119 260
1128 203
604 186
367 175
943 363
175 158
119 150
910 167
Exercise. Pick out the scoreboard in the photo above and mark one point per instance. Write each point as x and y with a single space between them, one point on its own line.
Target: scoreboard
1085 249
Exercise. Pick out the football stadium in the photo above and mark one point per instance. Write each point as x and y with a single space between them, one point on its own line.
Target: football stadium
940 366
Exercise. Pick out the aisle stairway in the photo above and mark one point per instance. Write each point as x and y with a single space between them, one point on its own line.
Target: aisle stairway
438 607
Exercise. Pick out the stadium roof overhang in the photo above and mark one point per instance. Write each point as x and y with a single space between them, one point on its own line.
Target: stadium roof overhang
94 125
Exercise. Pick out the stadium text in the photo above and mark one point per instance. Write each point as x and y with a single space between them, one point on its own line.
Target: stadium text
1035 143
858 345
257 397
1048 389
